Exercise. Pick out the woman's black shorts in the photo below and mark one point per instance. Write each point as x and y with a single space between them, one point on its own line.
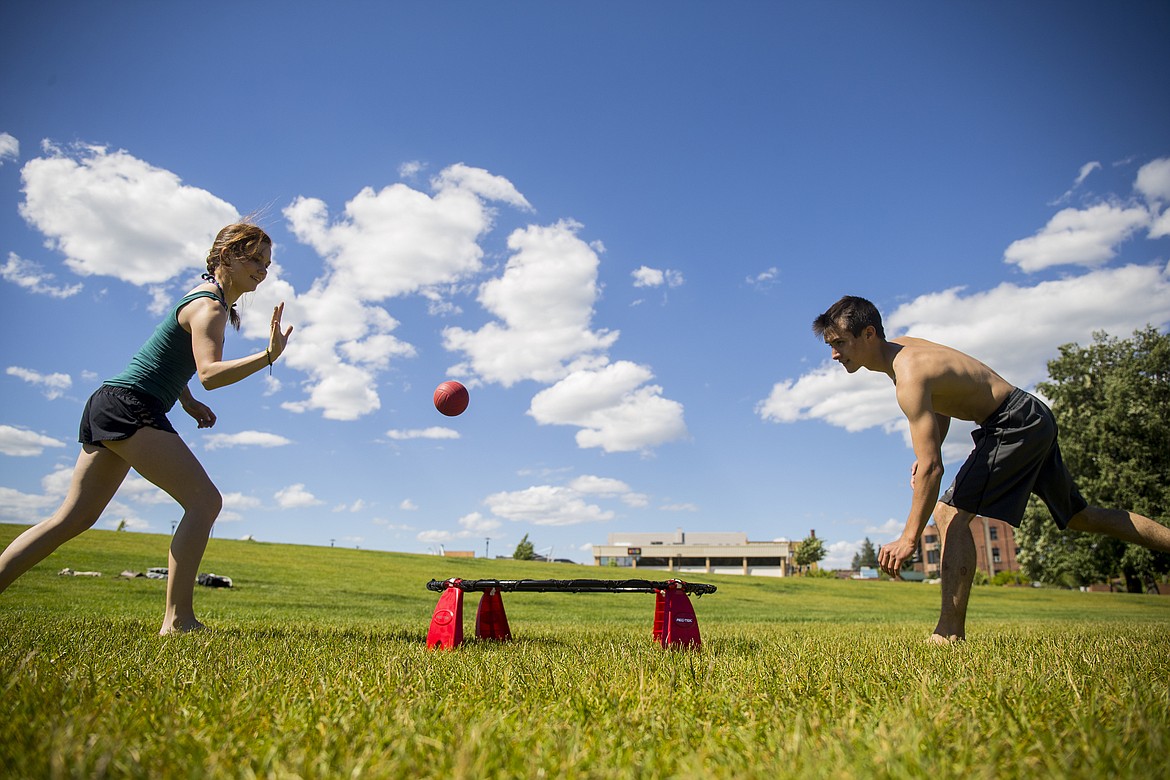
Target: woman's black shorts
116 413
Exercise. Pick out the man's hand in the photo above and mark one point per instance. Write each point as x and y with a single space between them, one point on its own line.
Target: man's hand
893 555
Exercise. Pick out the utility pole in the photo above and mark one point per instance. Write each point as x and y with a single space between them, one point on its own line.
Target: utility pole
487 543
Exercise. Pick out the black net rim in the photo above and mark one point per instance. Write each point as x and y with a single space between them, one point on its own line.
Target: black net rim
571 586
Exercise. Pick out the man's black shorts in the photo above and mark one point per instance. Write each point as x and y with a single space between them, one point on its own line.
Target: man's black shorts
1016 453
116 413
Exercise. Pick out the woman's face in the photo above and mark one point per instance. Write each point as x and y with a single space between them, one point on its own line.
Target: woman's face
248 272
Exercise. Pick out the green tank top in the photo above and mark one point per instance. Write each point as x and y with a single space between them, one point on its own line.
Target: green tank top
165 364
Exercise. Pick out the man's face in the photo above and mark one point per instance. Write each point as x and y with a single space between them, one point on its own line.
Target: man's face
846 347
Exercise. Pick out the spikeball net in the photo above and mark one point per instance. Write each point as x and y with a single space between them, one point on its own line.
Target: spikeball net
675 624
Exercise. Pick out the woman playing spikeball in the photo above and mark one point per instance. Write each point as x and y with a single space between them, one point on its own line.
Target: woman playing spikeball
125 424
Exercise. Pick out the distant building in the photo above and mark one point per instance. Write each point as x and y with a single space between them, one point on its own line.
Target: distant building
995 548
697 553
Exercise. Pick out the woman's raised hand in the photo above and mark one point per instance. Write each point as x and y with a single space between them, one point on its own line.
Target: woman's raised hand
276 339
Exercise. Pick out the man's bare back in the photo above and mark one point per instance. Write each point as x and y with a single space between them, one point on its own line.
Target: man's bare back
960 386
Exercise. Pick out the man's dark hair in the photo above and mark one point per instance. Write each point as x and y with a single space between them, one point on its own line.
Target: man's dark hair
852 314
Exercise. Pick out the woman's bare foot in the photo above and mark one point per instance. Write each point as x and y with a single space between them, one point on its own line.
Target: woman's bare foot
176 626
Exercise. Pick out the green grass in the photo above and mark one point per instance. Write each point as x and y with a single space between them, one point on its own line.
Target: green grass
316 667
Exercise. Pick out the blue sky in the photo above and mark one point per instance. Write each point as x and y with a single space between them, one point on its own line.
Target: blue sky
614 222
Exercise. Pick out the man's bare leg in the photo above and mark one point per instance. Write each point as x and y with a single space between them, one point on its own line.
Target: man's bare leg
1126 526
957 572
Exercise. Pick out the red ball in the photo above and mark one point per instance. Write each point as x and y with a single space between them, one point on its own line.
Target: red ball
451 398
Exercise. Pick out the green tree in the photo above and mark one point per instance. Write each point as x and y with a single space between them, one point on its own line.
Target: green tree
1112 404
524 551
808 552
866 556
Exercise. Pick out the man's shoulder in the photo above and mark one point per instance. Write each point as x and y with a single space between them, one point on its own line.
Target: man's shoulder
914 344
914 353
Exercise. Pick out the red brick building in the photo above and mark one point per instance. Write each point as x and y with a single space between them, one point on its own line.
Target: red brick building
995 548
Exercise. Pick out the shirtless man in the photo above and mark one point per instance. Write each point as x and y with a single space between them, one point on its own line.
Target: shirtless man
1016 452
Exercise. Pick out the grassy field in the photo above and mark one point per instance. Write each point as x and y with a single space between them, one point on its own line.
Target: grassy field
316 667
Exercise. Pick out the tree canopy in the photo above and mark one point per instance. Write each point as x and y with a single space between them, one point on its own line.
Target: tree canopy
1111 401
525 551
866 556
809 551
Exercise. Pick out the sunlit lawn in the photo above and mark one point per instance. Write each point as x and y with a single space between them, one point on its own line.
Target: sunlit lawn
316 667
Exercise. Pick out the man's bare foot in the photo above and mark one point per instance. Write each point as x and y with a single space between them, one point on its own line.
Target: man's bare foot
939 639
181 627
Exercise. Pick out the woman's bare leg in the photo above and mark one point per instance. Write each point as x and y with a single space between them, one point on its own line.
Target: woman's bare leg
165 460
96 478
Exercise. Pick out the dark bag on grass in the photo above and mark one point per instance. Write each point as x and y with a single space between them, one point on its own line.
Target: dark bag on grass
214 581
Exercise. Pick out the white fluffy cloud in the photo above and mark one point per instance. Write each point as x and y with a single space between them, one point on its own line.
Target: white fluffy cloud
216 441
30 276
556 505
388 243
764 279
1086 237
544 305
52 385
546 505
1090 236
22 443
1086 169
1160 228
295 497
28 508
111 214
614 407
609 487
394 241
238 501
827 393
655 277
477 524
470 525
1153 180
434 432
460 178
9 148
